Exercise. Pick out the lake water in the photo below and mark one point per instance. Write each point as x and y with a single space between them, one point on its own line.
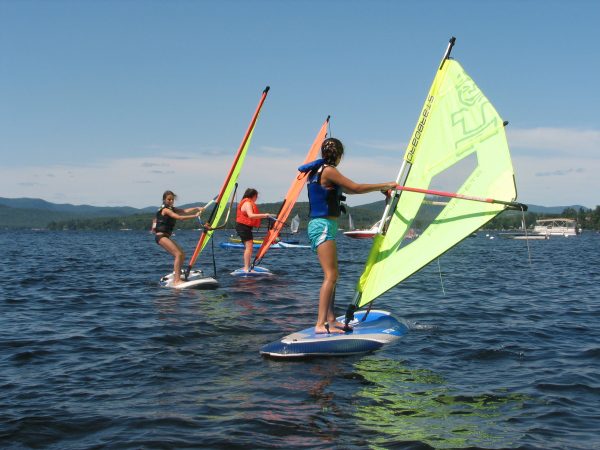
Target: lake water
501 353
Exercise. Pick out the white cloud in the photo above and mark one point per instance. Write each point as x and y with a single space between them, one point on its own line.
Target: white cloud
547 169
556 142
137 181
551 182
556 166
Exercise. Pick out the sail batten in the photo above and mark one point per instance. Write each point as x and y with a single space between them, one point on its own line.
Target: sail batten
456 122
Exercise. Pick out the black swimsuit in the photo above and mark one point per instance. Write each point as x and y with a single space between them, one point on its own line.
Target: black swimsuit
164 224
158 236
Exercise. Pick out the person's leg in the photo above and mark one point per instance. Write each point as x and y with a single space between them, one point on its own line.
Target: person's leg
173 248
247 254
327 253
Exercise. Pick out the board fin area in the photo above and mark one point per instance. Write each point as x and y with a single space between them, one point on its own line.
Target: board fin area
195 280
257 271
378 329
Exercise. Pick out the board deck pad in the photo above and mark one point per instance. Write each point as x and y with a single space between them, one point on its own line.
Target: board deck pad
379 328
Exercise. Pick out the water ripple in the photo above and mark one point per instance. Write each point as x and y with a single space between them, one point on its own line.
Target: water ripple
499 354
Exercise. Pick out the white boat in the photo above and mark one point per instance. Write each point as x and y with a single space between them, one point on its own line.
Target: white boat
556 227
545 228
363 234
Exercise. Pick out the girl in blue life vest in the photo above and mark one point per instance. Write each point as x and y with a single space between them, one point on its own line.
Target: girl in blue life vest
248 217
165 219
325 187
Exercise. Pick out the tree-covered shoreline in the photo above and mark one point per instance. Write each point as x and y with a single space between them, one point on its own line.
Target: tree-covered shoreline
362 218
27 214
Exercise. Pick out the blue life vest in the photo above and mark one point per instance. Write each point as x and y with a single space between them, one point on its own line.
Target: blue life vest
164 224
324 202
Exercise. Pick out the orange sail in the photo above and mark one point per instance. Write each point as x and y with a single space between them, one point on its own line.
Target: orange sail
228 185
291 196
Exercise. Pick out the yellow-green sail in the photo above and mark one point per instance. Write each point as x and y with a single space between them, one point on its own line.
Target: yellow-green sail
226 192
460 130
228 185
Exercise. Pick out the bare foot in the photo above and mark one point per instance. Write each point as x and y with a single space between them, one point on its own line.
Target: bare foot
340 325
177 282
325 329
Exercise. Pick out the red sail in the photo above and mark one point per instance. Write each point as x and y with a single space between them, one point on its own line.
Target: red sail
291 196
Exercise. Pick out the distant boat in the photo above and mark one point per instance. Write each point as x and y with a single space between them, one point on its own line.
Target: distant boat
362 234
295 225
557 227
546 228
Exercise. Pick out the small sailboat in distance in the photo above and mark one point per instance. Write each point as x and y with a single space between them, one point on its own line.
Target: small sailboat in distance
295 224
196 278
458 143
366 233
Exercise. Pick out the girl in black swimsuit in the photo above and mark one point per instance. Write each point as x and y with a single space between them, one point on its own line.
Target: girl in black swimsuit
165 220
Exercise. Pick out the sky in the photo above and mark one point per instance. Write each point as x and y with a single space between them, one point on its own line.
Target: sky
110 103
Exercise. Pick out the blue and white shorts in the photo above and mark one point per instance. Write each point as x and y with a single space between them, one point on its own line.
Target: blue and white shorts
321 230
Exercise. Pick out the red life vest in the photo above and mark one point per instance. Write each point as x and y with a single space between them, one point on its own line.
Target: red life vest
242 217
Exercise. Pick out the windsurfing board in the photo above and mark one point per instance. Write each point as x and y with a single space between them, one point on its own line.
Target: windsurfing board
195 280
278 245
378 329
228 245
257 271
282 244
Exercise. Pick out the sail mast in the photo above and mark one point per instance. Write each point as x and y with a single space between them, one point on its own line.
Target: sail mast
411 151
228 185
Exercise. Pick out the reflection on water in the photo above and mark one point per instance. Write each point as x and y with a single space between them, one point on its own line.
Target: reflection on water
399 403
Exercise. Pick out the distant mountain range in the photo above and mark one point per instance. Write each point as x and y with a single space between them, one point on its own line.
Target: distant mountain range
84 210
27 213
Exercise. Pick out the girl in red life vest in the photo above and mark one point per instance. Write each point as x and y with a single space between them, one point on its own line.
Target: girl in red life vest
165 219
248 217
